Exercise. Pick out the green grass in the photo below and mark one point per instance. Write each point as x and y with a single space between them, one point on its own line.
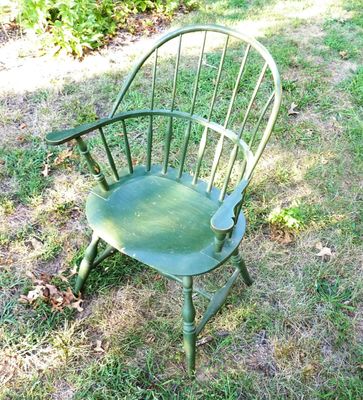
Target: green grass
296 332
25 166
355 87
344 37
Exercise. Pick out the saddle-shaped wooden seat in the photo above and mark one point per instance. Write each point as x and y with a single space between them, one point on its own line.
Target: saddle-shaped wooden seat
161 221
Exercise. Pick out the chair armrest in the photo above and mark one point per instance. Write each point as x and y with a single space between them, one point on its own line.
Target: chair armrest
223 221
59 137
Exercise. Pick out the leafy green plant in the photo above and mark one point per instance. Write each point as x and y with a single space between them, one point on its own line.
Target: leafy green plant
72 25
291 217
78 25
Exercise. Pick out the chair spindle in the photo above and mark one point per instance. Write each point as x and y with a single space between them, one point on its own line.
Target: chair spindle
219 148
195 91
109 155
127 147
92 164
150 131
234 151
170 127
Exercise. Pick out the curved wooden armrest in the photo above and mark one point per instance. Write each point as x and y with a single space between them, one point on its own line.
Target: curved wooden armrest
59 137
223 220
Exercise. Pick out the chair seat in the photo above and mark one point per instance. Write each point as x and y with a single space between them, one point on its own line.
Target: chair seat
160 222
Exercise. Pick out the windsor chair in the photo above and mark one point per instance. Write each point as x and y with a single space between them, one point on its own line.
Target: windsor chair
178 209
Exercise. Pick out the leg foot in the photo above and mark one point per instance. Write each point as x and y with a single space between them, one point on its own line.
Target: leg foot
189 326
239 263
86 264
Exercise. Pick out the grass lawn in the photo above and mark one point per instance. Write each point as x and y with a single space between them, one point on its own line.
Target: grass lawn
296 333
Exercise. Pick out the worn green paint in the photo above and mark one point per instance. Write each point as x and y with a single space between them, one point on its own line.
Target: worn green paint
87 263
217 301
189 331
164 217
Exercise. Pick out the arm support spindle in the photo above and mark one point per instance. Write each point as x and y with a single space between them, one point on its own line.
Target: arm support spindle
92 164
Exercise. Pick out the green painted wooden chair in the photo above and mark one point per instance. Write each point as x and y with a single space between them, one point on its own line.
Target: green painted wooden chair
211 110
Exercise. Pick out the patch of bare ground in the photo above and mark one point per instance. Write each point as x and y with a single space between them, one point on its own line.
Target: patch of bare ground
260 356
25 72
309 38
341 70
127 308
337 70
305 35
327 126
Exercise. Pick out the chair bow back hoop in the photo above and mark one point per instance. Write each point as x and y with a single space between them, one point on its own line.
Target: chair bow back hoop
180 146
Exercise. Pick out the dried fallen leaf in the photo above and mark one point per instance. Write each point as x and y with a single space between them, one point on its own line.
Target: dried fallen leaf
44 277
45 171
150 339
204 340
98 347
31 276
77 305
57 298
56 306
33 295
281 236
20 138
23 299
292 110
325 251
46 168
35 243
53 291
68 296
62 156
63 278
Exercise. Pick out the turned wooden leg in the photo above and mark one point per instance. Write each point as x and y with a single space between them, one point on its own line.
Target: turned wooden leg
87 263
239 263
188 325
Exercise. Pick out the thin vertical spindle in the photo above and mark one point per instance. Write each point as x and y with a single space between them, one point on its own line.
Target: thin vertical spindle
234 152
170 127
250 144
195 91
235 90
127 148
231 162
218 78
109 155
258 84
219 147
202 146
150 131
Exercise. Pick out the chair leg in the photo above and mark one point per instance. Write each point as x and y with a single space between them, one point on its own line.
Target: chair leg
189 333
87 263
239 263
